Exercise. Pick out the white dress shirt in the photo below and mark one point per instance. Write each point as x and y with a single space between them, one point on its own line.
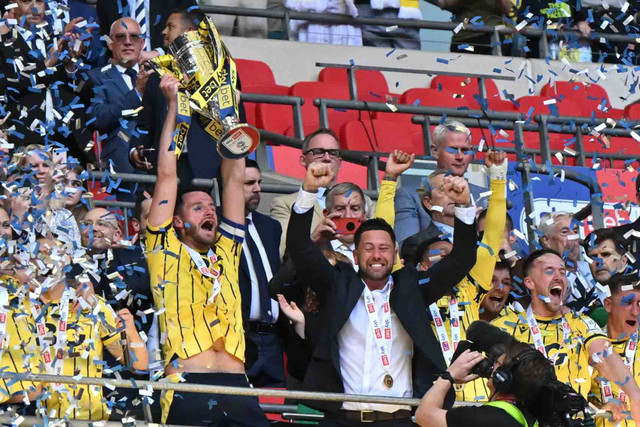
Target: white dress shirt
254 312
360 365
344 249
466 215
127 80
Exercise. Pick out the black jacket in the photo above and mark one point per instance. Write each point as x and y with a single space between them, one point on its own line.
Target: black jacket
342 287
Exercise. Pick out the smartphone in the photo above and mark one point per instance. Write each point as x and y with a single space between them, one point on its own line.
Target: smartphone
347 225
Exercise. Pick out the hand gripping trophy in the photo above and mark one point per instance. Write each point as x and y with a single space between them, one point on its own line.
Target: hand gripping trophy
202 62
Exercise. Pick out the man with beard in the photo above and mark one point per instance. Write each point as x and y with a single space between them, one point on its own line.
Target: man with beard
571 341
193 263
375 339
260 261
495 299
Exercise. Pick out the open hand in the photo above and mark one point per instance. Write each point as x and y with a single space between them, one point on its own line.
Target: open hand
460 368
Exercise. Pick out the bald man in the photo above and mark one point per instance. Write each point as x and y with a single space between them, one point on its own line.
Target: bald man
117 93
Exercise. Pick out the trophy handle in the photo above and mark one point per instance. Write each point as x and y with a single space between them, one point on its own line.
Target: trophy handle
164 65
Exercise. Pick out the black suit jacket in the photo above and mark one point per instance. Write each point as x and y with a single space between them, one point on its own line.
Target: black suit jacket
342 287
201 149
110 11
270 233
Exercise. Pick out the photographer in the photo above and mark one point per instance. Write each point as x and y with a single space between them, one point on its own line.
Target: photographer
523 385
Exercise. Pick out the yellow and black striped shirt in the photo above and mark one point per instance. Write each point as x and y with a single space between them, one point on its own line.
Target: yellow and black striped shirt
20 353
596 391
89 332
571 358
189 324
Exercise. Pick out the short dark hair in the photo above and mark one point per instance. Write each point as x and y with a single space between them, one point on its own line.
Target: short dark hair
600 235
533 256
191 15
184 190
373 224
620 280
250 163
322 131
427 182
424 246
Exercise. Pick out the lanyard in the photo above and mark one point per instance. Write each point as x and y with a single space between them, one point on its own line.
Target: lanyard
209 272
53 365
538 342
381 327
4 308
454 317
629 357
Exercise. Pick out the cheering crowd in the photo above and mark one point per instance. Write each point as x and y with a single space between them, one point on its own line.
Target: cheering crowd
358 296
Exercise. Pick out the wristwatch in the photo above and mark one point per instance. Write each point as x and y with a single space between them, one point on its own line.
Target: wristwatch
446 375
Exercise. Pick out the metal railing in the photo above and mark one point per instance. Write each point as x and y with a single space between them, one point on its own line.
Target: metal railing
149 386
495 31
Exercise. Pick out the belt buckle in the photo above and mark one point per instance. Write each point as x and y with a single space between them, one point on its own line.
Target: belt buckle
363 417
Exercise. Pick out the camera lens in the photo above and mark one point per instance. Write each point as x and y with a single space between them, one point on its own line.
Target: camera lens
351 226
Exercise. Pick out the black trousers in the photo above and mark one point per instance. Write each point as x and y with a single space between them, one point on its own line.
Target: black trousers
200 409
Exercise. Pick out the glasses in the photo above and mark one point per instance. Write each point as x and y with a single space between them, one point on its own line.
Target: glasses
319 153
122 37
87 223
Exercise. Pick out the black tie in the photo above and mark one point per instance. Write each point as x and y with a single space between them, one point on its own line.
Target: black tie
258 267
132 75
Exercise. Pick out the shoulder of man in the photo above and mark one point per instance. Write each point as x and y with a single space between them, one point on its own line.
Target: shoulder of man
583 324
285 199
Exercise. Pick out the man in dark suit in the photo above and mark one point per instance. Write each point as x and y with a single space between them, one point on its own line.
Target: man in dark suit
156 15
377 339
41 106
117 93
260 261
201 159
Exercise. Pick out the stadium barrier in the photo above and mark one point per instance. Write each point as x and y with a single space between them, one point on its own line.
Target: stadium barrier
496 31
149 386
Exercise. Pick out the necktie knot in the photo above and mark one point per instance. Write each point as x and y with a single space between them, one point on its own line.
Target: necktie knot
132 75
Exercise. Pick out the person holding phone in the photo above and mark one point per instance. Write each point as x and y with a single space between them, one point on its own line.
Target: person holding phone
346 208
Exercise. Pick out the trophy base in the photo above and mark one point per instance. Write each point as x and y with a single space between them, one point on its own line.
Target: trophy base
239 141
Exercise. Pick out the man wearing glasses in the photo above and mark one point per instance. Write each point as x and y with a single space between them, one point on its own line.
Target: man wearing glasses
320 146
117 94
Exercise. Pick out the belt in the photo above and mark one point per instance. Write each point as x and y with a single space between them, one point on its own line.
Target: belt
262 328
370 416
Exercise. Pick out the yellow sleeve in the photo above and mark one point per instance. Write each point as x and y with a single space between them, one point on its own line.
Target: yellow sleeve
155 235
386 209
482 271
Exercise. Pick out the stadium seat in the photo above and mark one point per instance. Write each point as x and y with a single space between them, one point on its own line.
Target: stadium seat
371 85
613 113
565 107
254 73
595 94
500 105
632 111
378 135
274 118
575 91
464 85
250 107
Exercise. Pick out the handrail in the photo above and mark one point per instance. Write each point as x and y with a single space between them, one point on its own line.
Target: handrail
296 103
337 19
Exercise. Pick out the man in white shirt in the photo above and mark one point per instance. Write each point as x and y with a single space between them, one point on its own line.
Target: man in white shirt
376 339
260 261
117 94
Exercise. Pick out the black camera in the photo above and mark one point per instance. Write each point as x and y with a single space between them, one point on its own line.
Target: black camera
484 368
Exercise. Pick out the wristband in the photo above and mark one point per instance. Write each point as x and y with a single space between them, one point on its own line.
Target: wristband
446 375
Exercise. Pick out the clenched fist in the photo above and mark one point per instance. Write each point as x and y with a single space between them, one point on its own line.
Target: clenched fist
457 189
318 175
398 162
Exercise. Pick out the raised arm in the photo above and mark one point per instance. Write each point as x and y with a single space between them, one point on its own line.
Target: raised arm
307 258
166 189
397 163
447 273
496 218
232 172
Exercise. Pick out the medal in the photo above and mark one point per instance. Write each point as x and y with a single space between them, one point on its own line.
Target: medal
387 381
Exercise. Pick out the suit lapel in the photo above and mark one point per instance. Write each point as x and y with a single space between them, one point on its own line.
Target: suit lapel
117 79
317 213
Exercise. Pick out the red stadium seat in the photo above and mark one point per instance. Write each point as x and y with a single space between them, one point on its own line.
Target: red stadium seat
250 107
464 85
371 85
254 73
274 118
632 111
595 94
565 107
573 90
377 135
613 113
501 105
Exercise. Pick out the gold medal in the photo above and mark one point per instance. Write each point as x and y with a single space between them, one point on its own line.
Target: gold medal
387 381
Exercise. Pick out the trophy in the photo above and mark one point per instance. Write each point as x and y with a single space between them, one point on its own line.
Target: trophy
201 61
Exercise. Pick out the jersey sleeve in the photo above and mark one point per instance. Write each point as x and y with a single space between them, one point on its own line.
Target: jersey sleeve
108 325
589 330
